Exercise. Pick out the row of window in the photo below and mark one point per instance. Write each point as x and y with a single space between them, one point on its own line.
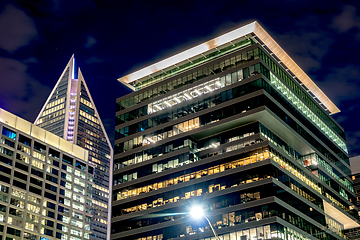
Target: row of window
203 120
241 58
40 151
300 92
54 109
182 159
186 95
56 102
321 149
164 165
277 158
227 95
255 156
86 102
224 220
139 84
291 97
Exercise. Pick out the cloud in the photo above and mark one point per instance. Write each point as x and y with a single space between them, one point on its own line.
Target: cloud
16 28
90 41
342 84
30 60
346 20
94 59
306 45
19 93
353 142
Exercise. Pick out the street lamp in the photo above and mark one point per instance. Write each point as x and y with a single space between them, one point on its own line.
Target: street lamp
197 212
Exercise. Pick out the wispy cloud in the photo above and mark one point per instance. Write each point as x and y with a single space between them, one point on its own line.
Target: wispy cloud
342 84
353 142
347 19
94 59
19 92
307 46
16 28
90 41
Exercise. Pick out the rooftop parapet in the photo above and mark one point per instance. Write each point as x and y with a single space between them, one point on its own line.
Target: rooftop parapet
252 30
43 135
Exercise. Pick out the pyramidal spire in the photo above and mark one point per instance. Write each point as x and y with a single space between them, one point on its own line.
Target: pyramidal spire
54 110
87 100
70 113
61 111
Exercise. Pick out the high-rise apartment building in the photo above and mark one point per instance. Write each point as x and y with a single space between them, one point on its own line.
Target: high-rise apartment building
235 126
70 113
45 184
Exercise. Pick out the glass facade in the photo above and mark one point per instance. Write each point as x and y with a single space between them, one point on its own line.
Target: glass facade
70 113
239 136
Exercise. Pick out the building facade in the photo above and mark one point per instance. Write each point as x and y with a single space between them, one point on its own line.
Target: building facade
45 184
355 170
70 113
234 126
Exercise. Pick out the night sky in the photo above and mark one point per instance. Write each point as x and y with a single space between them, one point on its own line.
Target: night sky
113 38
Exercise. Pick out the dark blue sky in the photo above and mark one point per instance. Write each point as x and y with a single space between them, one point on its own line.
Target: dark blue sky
113 38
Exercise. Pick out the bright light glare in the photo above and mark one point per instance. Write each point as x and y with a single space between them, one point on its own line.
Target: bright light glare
197 212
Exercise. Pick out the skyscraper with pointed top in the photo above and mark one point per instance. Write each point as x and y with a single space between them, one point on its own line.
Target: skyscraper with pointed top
70 112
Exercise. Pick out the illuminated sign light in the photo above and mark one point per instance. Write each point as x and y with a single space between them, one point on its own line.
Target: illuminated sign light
73 69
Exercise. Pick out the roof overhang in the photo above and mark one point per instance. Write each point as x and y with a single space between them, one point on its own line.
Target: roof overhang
251 28
339 216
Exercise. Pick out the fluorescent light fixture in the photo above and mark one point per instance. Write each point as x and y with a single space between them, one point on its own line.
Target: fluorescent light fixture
187 96
194 94
150 140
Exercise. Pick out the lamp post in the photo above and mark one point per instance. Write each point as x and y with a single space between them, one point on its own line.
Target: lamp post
197 212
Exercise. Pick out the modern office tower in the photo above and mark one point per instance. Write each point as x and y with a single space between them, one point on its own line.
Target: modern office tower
355 166
234 126
355 170
70 113
45 184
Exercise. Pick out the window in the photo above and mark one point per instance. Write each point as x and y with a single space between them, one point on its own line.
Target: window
80 165
24 140
8 133
68 159
13 231
37 164
40 147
